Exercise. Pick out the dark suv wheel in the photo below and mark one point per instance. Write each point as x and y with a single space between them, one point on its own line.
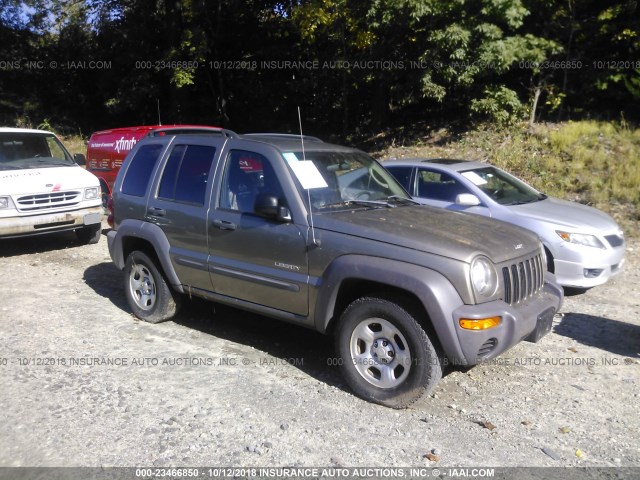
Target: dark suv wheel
385 355
149 295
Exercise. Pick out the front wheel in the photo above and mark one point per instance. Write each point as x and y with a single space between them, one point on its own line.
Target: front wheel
385 355
147 291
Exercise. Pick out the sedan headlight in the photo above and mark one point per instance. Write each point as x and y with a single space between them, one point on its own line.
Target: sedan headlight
5 202
580 239
91 193
484 277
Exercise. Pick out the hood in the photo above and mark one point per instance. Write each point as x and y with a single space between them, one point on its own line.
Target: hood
450 234
568 214
44 180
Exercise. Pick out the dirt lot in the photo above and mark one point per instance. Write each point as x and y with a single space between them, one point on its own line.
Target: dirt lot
85 384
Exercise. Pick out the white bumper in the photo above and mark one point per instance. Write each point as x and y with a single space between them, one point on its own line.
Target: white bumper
49 222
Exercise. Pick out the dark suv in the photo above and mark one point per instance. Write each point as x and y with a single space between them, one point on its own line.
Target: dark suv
322 236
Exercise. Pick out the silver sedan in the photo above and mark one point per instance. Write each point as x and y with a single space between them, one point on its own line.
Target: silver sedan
584 246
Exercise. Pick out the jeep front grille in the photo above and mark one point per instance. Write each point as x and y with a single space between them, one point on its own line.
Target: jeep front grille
522 280
44 201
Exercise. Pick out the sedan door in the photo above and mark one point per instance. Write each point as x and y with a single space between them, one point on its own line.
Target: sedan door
441 189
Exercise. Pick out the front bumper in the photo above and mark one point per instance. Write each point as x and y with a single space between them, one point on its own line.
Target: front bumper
586 267
11 227
528 320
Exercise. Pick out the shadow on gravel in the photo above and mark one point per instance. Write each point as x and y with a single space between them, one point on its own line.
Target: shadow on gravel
305 349
616 337
40 243
106 280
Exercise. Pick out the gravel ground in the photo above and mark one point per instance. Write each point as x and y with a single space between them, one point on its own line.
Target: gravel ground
86 384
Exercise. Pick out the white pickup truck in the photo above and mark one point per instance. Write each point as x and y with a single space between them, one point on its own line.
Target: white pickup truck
44 190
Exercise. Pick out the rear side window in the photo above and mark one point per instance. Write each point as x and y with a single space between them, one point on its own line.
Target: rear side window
186 174
139 172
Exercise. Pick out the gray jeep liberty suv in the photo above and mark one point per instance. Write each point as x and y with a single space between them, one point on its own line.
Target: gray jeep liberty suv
322 236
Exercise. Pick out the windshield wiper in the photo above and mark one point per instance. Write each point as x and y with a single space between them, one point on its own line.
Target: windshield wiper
392 201
360 203
403 200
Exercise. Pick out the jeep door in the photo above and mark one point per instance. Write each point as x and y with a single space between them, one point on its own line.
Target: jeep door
253 258
179 204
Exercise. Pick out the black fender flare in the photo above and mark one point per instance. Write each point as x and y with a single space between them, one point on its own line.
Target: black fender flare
436 293
152 234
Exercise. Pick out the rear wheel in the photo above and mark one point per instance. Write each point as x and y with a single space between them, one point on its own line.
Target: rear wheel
385 355
148 294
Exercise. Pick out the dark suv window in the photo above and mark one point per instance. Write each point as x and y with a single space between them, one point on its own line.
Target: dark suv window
139 172
186 174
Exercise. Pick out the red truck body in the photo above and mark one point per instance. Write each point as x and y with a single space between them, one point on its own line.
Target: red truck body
108 148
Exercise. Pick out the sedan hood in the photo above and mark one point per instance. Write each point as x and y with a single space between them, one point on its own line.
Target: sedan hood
450 234
568 214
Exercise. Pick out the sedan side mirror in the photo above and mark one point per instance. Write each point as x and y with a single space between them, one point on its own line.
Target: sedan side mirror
269 206
467 200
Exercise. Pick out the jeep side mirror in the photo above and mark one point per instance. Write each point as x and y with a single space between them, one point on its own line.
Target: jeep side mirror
467 200
80 159
269 206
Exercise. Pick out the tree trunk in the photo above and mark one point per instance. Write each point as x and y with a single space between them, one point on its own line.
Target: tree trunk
536 96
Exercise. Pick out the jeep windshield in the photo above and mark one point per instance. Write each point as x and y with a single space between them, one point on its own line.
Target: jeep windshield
32 150
349 179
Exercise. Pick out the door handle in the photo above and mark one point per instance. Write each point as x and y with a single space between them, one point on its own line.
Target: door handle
224 225
156 212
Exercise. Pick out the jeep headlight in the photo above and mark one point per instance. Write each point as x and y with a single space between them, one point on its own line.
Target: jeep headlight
91 193
580 239
5 202
484 277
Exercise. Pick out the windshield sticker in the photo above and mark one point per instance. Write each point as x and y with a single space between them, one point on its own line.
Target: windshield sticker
290 157
308 174
474 178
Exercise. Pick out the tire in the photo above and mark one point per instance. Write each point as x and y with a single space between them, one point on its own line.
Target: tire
150 297
385 356
90 234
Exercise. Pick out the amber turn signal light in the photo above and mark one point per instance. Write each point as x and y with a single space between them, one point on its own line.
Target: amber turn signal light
480 324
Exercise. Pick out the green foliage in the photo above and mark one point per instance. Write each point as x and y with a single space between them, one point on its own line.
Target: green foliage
603 151
449 60
45 125
500 105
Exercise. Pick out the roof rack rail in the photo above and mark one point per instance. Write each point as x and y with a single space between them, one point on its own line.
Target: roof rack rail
160 132
285 136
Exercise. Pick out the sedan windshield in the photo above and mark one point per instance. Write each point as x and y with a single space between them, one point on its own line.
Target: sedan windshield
502 187
31 150
351 179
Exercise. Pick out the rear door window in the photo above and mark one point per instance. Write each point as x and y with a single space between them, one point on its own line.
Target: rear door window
140 168
186 174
